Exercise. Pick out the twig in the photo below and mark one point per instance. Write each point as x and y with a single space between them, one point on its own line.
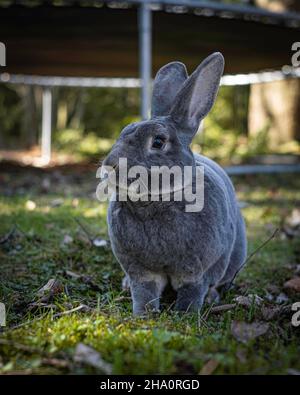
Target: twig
254 253
261 246
171 305
6 237
206 314
89 236
78 308
223 307
122 298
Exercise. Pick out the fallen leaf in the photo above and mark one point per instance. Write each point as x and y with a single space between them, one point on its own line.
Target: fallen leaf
209 367
269 313
293 284
53 287
244 332
67 239
89 356
98 242
249 300
282 298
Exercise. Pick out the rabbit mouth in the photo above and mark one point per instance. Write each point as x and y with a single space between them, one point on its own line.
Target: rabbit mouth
137 187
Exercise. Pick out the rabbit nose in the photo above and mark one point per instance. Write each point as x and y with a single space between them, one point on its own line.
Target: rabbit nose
110 161
109 164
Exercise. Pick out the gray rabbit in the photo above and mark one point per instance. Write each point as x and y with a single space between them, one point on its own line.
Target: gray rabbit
157 242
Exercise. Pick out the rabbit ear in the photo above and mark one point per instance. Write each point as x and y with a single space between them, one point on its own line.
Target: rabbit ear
168 81
197 96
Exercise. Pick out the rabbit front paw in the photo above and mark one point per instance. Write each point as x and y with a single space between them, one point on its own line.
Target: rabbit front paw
146 294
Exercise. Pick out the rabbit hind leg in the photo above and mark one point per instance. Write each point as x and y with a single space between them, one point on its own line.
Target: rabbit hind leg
237 261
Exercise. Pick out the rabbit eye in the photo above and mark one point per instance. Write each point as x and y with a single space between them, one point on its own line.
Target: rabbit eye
158 142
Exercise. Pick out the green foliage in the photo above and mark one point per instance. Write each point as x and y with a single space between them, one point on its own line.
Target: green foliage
10 115
86 122
82 145
225 128
108 110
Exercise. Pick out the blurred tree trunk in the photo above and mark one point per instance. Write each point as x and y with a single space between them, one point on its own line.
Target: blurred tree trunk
276 106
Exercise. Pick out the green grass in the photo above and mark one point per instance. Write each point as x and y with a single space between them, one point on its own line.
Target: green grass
165 343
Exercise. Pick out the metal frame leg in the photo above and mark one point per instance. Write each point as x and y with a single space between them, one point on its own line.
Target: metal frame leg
46 125
145 49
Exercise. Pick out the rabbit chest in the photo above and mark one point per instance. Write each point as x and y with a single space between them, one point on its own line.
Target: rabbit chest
166 240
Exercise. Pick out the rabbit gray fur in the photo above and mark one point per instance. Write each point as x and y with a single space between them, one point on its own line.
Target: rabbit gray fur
159 242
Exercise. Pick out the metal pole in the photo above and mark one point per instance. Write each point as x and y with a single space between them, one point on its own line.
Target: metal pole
46 125
145 48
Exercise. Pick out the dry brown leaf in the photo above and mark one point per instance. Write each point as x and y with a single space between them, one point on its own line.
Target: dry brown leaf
269 313
53 287
244 332
67 239
249 300
293 284
89 356
209 367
